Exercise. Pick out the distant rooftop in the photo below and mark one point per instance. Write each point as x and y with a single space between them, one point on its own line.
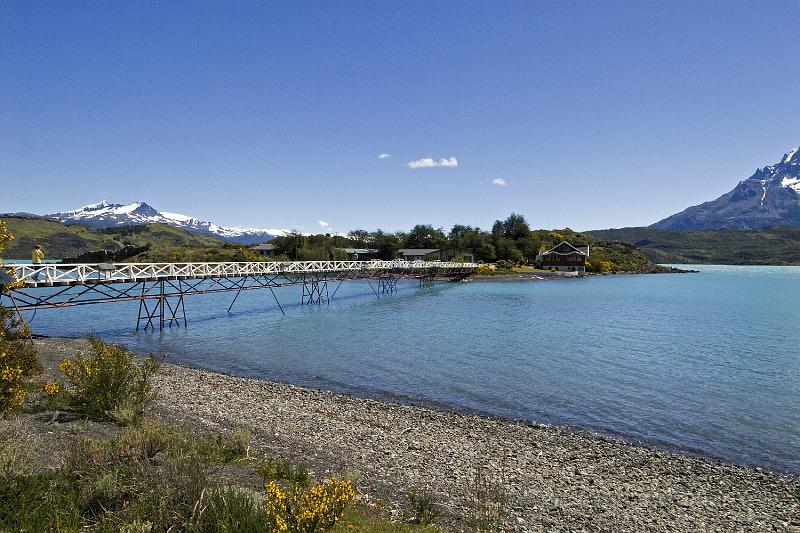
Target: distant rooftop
364 251
265 247
580 249
417 251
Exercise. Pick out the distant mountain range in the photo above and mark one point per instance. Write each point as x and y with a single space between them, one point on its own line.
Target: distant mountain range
770 197
105 215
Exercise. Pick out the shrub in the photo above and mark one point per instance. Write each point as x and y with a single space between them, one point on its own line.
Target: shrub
110 383
15 338
240 441
12 385
504 265
170 495
423 509
596 264
484 270
282 470
307 510
18 361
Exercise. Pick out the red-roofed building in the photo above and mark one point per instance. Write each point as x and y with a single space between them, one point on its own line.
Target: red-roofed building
564 257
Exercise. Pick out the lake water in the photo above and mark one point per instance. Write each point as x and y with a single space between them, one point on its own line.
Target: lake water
706 363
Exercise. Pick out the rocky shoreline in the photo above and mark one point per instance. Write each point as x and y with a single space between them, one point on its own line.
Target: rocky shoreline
555 479
546 276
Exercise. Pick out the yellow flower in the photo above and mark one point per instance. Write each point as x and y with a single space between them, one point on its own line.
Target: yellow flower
51 388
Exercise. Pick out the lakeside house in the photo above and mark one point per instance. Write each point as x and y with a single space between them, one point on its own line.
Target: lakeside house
264 250
564 257
360 254
434 254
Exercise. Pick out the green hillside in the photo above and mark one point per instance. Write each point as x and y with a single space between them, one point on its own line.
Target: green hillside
164 243
770 246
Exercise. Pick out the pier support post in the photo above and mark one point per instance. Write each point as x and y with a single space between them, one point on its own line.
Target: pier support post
315 290
387 284
168 309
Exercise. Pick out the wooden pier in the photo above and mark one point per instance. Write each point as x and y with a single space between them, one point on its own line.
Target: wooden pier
160 288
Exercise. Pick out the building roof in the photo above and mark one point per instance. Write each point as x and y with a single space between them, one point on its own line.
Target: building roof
266 247
364 251
580 249
417 251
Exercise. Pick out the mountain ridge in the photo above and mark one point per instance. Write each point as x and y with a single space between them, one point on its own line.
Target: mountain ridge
104 215
770 197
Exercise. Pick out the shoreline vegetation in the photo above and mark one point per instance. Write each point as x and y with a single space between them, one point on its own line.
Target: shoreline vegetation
510 240
511 243
412 464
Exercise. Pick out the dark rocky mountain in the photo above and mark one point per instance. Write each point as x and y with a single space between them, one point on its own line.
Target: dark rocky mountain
770 197
105 215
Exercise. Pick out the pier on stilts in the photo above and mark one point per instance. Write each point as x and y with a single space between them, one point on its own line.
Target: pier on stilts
160 288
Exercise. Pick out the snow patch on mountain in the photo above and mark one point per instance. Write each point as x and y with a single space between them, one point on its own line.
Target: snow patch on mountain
792 183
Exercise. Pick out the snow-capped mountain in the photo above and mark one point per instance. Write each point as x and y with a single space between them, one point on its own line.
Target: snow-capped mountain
770 197
106 215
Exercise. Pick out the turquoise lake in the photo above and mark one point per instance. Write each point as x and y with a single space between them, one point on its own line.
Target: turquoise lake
705 363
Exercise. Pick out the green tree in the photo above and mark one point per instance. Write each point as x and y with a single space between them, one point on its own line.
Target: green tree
290 245
513 239
425 236
472 239
359 237
387 244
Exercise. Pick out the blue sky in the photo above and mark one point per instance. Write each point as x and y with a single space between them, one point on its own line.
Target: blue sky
593 114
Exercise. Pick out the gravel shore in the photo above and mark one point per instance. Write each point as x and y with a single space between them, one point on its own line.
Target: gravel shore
557 479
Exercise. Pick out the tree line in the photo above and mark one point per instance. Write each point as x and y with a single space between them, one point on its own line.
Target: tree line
510 240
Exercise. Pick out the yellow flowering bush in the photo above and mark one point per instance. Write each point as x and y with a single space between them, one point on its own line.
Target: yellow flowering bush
12 386
308 510
18 361
109 382
484 270
51 389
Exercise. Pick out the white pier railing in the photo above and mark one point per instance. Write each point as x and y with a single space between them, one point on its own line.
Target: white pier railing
79 274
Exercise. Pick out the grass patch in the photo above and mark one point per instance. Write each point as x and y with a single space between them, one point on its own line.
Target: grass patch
17 450
36 503
154 438
366 519
423 508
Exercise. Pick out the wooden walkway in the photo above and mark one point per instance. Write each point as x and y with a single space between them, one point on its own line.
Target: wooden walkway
80 274
160 288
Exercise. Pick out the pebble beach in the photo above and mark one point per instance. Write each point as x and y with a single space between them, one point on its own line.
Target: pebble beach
553 478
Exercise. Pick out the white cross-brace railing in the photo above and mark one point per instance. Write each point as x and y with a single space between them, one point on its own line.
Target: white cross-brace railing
61 274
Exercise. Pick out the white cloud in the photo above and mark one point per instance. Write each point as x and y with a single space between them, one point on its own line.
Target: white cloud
323 223
499 181
384 156
429 162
